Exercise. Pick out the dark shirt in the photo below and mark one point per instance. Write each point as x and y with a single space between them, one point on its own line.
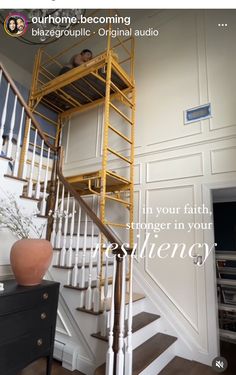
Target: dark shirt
64 69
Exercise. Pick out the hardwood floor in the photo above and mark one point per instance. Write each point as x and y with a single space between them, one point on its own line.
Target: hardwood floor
181 366
39 368
178 366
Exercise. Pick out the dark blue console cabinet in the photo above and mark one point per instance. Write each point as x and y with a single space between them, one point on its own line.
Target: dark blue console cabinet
27 325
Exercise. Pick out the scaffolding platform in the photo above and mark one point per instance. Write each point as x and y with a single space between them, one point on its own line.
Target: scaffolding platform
80 88
90 183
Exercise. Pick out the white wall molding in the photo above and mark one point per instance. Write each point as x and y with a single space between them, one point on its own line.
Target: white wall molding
182 146
94 164
62 327
175 168
154 277
71 359
223 160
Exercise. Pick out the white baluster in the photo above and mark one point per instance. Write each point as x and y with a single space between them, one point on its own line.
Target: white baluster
24 173
30 185
59 234
55 216
120 354
88 294
65 229
110 352
129 353
38 185
72 227
12 125
75 269
45 184
4 116
96 293
18 145
82 271
104 314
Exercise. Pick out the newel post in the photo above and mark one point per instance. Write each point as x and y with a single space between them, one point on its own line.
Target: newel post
117 306
51 200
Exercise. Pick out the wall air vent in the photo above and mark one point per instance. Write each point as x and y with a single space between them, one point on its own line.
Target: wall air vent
197 114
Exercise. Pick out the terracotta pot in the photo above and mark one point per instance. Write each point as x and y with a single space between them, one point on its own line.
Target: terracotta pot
30 259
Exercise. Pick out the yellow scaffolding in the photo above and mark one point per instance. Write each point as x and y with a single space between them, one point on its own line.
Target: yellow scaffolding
106 80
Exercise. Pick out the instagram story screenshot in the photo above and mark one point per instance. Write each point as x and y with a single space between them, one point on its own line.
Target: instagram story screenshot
117 190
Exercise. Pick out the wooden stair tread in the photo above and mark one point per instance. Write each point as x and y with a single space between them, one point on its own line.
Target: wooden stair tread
136 297
15 178
81 234
146 353
93 284
73 248
181 366
30 198
80 266
5 157
151 349
140 321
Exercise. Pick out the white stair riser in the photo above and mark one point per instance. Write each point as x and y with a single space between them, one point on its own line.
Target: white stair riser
145 333
28 205
10 186
61 274
89 241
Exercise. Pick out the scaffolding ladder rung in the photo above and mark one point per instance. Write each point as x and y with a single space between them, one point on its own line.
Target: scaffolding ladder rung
115 224
118 200
119 155
121 113
122 94
118 177
120 134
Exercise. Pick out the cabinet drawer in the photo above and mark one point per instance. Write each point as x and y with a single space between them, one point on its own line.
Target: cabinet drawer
28 299
24 322
19 353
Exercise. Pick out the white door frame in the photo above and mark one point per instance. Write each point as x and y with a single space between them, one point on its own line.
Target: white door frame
210 272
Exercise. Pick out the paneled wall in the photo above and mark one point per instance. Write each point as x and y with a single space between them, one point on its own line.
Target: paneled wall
191 62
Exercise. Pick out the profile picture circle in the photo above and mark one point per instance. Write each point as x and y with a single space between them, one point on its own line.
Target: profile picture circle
15 24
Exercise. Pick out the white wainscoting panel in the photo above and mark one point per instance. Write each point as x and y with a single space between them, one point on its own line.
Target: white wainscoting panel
175 168
223 160
183 292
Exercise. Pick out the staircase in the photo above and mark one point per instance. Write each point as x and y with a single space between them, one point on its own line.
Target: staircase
110 329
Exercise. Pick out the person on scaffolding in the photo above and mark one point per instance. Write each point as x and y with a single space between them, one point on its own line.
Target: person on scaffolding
84 56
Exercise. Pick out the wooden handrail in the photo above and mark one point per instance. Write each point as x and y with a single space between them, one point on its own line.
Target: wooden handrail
27 110
111 237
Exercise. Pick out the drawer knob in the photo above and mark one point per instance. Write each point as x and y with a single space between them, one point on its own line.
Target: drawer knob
39 342
45 295
43 316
